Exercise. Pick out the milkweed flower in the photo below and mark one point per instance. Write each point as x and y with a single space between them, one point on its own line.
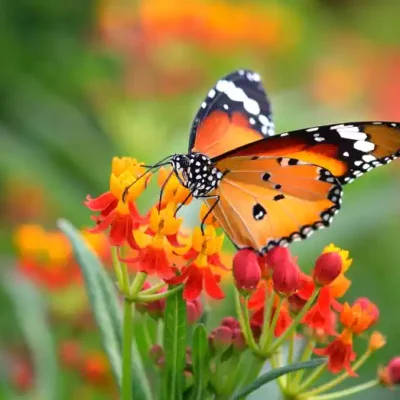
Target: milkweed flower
117 206
390 375
246 270
340 353
154 245
204 259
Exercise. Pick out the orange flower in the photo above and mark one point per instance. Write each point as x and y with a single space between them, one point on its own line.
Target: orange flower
340 353
117 208
173 192
46 257
154 245
204 256
356 319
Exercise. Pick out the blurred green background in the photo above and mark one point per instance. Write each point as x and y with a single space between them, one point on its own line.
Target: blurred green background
83 81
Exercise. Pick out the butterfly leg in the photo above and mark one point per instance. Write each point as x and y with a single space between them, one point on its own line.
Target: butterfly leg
163 188
182 204
216 197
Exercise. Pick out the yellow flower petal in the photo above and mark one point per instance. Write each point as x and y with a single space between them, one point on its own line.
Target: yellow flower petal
142 239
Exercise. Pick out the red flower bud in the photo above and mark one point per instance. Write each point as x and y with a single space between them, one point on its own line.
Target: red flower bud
277 256
246 270
369 307
230 322
327 268
286 277
390 375
222 337
194 310
239 342
156 353
296 303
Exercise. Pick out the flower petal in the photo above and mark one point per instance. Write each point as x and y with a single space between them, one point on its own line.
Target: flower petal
211 285
99 203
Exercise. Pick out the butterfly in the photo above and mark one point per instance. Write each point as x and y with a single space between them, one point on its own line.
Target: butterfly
268 190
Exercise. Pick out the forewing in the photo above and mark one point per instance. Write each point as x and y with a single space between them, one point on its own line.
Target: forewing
346 150
235 112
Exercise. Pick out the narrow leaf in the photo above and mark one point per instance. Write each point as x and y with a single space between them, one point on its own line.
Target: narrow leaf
200 357
276 373
103 298
31 314
174 345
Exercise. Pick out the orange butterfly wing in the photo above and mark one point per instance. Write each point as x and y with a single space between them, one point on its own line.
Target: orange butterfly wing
272 201
235 112
346 150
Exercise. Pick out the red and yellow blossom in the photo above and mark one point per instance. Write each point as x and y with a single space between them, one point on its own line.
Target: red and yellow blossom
117 208
173 191
340 353
45 257
156 243
204 259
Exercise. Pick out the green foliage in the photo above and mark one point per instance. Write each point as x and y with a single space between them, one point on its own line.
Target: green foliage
104 302
175 331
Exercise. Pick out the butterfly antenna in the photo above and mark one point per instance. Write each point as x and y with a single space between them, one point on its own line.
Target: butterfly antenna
149 168
162 189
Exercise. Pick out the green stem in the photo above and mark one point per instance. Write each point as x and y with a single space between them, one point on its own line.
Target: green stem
127 352
339 379
276 363
306 355
311 378
153 289
292 327
239 313
137 285
117 266
346 392
268 306
156 296
289 376
271 329
246 317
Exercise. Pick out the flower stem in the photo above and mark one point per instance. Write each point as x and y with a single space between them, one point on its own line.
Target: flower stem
246 317
153 289
157 296
275 361
127 352
289 376
311 378
268 306
137 285
339 379
271 329
346 392
117 266
292 327
307 352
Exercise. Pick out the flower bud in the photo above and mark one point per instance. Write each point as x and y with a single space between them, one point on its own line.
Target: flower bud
277 256
296 303
246 270
222 337
156 354
230 322
194 310
286 278
376 341
390 375
369 307
239 343
327 268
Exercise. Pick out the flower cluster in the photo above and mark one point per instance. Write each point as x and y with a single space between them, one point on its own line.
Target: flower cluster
276 302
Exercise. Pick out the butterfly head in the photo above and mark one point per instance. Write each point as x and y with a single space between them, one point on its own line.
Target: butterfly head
196 172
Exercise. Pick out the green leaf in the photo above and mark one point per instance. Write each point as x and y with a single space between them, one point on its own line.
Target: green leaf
103 298
174 345
200 357
276 373
31 314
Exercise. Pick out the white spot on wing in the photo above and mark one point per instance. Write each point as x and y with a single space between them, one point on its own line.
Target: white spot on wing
364 146
352 133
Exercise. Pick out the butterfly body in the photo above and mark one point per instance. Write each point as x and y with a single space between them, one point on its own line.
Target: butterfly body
268 190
